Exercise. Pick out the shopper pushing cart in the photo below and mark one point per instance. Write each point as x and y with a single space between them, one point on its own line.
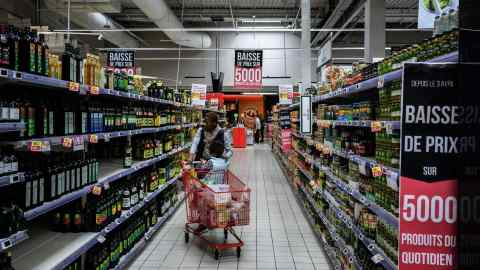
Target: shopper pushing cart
216 199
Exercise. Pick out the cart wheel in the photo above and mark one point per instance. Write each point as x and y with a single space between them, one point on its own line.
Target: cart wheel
187 237
217 254
239 251
225 233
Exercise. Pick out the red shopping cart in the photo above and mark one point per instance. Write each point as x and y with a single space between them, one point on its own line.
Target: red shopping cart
221 204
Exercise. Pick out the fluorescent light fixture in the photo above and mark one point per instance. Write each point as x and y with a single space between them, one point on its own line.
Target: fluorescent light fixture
251 20
259 94
261 27
353 48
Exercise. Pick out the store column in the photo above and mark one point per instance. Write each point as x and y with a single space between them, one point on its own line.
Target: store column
374 40
307 52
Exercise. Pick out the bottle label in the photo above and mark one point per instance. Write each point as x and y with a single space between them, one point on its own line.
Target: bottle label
41 190
84 175
114 209
78 177
14 166
50 123
28 192
67 181
77 219
35 192
5 113
60 184
7 167
32 57
126 203
53 186
14 114
2 167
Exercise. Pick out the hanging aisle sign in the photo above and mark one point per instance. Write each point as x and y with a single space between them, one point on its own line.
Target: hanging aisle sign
432 144
285 94
306 114
121 59
248 69
199 94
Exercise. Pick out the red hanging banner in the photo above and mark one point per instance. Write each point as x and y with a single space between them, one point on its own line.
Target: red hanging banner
248 69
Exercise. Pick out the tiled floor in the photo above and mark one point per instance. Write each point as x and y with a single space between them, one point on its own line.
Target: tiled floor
278 236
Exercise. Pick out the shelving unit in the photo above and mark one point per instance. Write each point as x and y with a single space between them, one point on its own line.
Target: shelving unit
309 167
57 141
128 258
48 83
61 249
374 82
105 180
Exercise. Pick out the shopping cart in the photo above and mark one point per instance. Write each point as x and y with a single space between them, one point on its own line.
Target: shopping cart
221 204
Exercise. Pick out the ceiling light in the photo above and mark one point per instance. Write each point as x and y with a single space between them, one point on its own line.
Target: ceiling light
247 20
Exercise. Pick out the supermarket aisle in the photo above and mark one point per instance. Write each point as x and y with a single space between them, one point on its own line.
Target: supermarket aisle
278 236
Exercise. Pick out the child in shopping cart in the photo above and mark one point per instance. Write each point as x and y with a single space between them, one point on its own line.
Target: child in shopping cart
216 165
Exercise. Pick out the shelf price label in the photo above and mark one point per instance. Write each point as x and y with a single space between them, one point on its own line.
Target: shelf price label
35 146
381 82
67 142
97 190
377 171
94 90
3 73
93 138
73 86
376 126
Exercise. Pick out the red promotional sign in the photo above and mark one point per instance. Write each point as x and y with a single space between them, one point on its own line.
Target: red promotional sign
431 148
248 69
428 225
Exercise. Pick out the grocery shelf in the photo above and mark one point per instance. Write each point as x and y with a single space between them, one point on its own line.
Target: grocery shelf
11 127
373 83
132 254
10 179
385 261
58 140
62 249
47 249
362 161
13 240
339 241
13 76
394 125
44 81
378 210
105 180
304 172
125 216
326 247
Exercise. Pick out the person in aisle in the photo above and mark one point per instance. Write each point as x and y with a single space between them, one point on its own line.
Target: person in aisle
200 149
262 130
258 128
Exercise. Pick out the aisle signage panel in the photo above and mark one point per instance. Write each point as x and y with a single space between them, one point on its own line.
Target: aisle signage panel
199 94
248 69
306 114
430 145
121 59
285 94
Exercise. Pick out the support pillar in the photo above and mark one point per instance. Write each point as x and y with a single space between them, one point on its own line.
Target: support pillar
374 38
307 52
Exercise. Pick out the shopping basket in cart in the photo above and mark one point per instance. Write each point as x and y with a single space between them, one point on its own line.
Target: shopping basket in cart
223 203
